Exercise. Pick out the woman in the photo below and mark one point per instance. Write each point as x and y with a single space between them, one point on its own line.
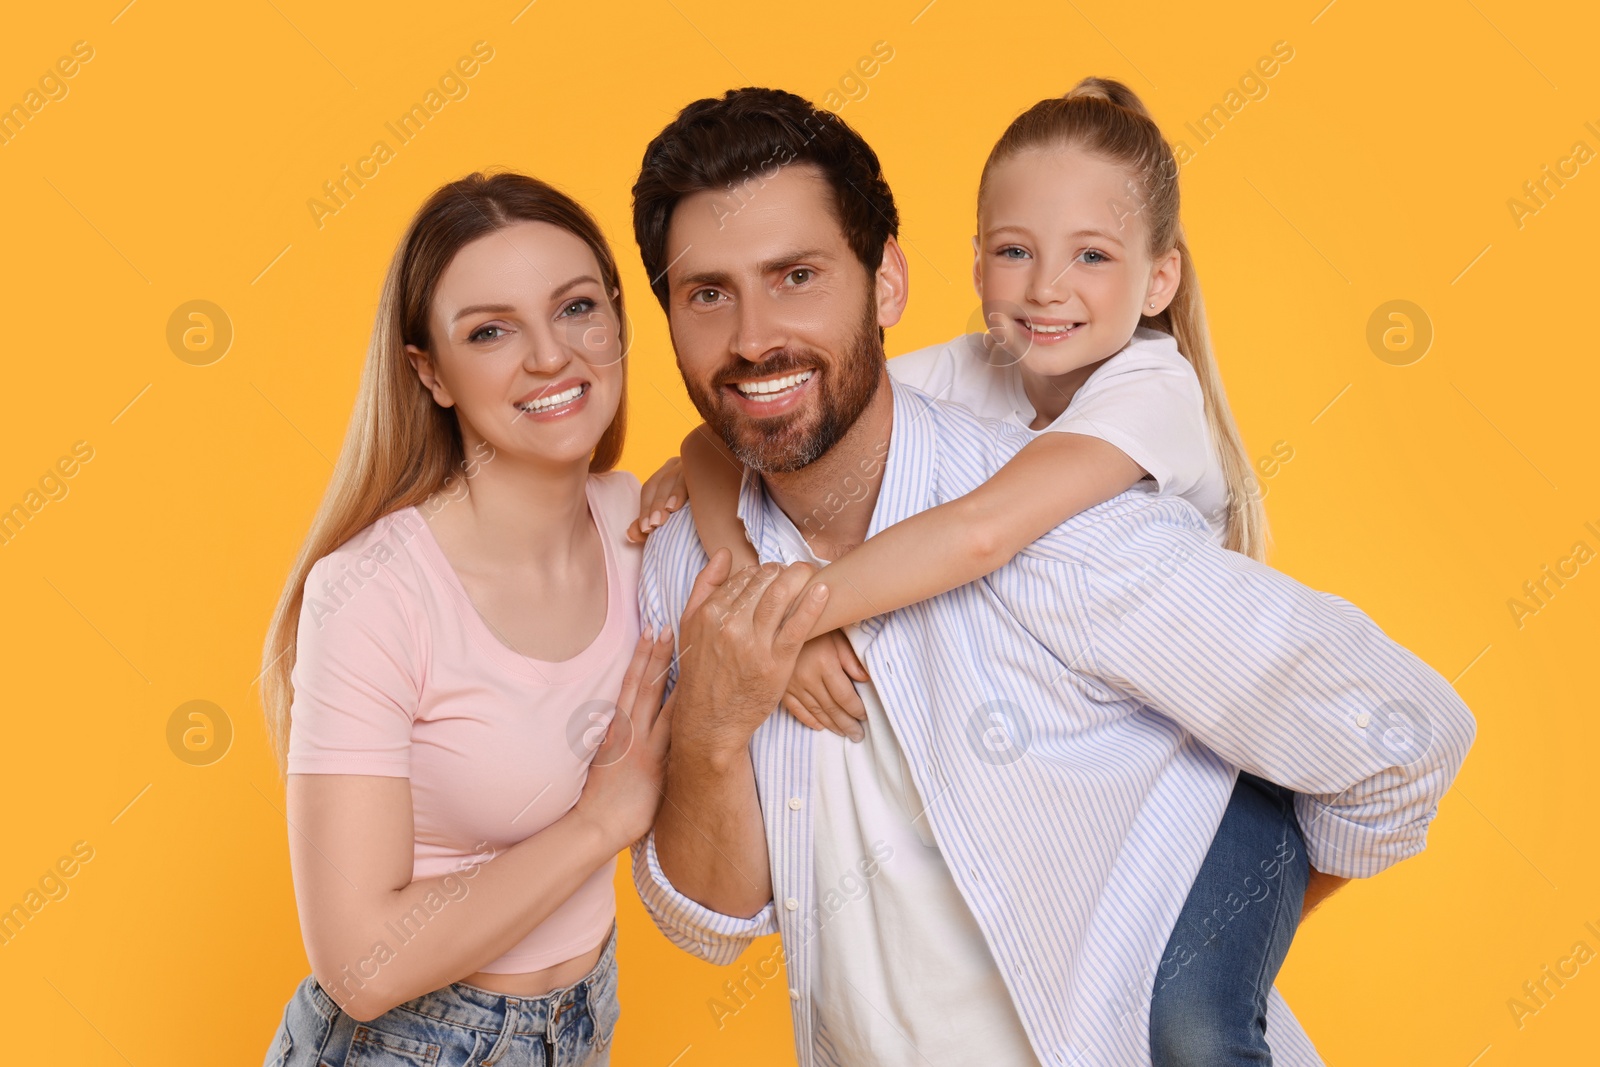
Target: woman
450 648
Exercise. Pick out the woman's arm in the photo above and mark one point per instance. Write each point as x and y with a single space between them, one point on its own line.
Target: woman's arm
1053 477
712 476
351 846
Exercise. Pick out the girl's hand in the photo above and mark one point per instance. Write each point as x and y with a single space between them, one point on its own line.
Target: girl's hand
623 789
663 494
820 692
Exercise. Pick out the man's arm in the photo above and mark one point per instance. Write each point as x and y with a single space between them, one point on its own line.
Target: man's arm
703 871
1297 686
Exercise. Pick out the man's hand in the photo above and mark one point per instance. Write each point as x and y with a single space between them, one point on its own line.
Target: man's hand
738 649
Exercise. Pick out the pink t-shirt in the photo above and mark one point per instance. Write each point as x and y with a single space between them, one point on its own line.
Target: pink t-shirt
397 674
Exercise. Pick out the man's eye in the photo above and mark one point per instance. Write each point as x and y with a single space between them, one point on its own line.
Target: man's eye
800 275
705 296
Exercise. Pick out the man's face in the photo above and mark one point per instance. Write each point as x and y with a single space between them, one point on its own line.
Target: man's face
773 318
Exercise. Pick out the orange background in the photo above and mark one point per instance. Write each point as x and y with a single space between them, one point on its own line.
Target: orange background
1378 165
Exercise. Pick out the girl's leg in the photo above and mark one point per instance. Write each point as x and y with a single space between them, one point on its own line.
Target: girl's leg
1209 1004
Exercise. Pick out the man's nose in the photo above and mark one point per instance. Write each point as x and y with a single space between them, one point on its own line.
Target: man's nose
760 329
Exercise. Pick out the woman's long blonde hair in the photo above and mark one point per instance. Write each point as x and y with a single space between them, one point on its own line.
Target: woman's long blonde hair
402 447
1107 119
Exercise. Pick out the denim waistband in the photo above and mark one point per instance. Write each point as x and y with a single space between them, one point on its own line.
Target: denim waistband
468 1006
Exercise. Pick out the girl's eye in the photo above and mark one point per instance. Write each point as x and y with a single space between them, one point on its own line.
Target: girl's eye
1012 252
482 333
578 307
1099 256
800 275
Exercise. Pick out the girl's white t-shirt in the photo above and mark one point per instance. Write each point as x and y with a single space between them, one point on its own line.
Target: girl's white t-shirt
1145 400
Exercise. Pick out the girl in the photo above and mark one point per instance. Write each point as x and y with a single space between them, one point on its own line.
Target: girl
1097 333
441 668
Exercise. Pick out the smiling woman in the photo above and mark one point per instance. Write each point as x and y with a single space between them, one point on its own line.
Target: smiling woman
425 724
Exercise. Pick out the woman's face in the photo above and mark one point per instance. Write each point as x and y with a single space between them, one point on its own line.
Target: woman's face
526 345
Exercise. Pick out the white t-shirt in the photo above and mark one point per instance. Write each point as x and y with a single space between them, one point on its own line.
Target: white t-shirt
1145 400
904 977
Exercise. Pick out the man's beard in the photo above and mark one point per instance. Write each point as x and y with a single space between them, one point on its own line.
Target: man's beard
783 444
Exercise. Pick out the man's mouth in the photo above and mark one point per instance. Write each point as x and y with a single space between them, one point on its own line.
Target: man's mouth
772 390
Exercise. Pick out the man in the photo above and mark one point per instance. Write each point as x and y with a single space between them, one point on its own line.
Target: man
992 875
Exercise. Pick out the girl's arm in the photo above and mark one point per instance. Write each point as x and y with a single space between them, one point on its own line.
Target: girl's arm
350 850
712 476
1053 477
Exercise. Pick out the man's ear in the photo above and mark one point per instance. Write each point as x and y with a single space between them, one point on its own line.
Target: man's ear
892 281
422 363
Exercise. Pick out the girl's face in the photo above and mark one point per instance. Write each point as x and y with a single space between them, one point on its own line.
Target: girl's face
527 346
1062 261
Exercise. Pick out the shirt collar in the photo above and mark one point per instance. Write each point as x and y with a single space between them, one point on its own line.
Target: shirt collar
909 484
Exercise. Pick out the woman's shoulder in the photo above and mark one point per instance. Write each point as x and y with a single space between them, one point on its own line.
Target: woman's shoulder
388 536
380 560
615 498
617 491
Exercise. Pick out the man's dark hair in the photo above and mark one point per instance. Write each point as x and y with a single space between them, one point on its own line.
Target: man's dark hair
736 144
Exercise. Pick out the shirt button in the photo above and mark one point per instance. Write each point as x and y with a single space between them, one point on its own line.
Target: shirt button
792 904
794 994
1362 720
794 803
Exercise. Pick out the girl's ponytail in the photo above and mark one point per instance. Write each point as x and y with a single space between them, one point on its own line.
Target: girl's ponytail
1185 320
1104 117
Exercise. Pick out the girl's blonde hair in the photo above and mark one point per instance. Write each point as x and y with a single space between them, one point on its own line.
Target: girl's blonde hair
1106 119
402 447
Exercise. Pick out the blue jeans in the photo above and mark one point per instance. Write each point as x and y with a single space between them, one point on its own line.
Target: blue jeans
1209 1005
457 1026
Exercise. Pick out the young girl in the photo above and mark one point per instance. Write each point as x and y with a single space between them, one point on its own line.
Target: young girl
447 656
1097 334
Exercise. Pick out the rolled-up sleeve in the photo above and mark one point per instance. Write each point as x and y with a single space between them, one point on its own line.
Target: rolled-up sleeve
1292 684
693 927
672 557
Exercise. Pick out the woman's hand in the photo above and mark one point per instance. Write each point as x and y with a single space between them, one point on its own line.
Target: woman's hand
623 789
820 692
664 493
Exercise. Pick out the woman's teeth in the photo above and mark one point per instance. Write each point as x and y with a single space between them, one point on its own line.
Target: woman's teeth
769 389
533 407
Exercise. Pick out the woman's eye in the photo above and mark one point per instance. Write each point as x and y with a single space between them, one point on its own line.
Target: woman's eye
581 306
800 275
482 333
